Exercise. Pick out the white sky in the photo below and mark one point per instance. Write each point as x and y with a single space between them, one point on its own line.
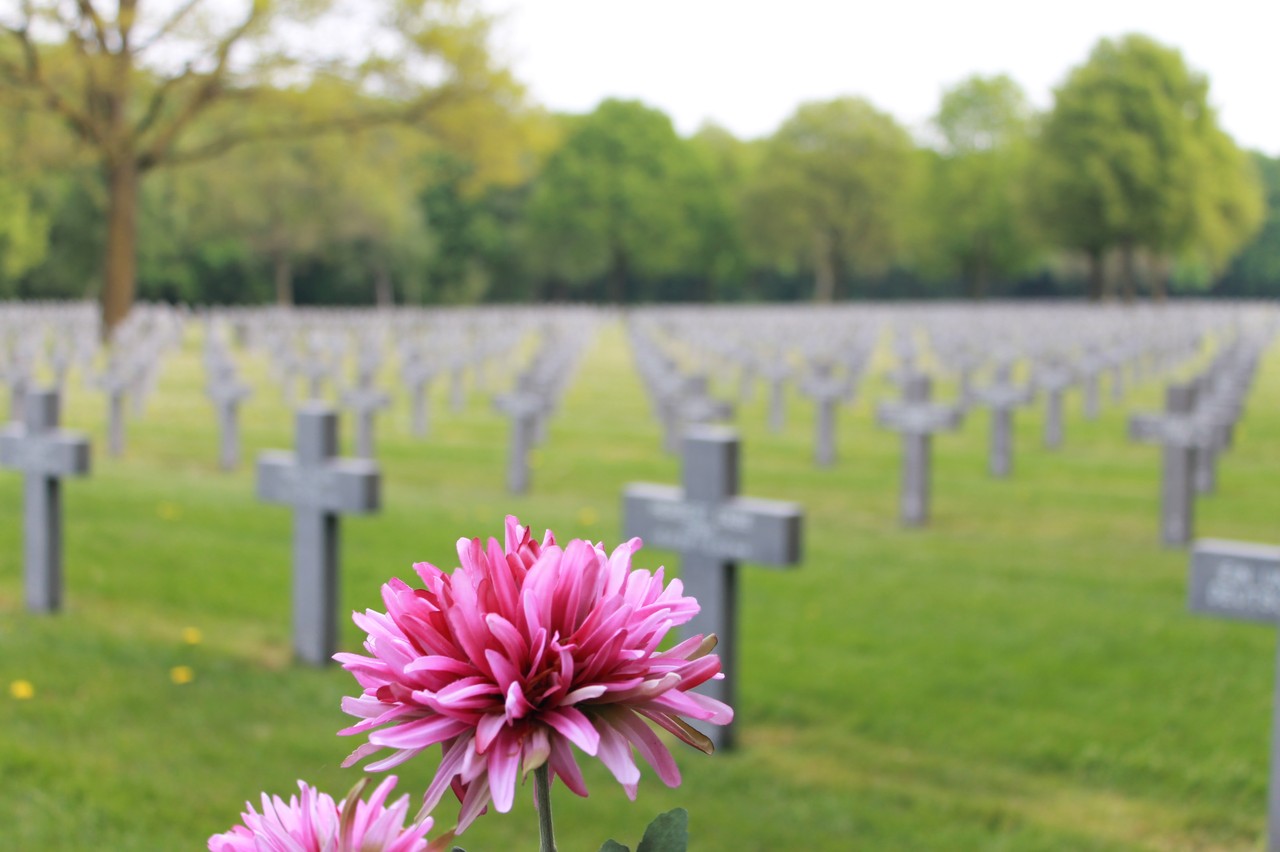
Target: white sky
746 64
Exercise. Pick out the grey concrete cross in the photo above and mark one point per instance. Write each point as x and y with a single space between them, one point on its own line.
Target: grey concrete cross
689 403
365 402
226 394
114 382
1091 366
713 530
1003 397
827 390
917 419
417 375
319 486
1054 379
776 370
44 453
1179 432
1241 581
525 410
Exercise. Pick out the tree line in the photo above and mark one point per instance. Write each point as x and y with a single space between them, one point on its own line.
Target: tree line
249 171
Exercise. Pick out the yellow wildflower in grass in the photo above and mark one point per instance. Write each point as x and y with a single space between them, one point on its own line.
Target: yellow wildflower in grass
169 511
181 674
587 516
192 635
22 690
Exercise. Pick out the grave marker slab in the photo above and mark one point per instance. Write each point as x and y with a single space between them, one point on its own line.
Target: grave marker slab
320 487
1241 581
44 454
713 529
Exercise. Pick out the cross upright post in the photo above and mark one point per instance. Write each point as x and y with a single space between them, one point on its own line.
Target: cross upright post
713 529
319 486
44 453
1178 431
917 419
1241 581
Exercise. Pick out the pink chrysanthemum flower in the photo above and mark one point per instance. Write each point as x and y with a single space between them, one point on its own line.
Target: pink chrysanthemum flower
316 824
522 652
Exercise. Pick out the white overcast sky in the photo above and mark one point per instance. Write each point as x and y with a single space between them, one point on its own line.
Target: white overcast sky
746 64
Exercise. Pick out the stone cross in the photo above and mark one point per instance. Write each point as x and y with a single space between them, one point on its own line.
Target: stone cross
917 419
713 529
226 395
1003 397
1054 379
1241 581
44 453
827 391
776 370
114 383
688 402
417 375
319 486
1178 431
1092 364
525 410
365 402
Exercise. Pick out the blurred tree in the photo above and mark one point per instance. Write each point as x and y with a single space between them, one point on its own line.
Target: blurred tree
974 222
624 198
832 193
1131 157
1255 271
131 80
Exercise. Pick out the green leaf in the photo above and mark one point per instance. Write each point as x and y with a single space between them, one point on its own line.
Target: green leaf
613 846
668 832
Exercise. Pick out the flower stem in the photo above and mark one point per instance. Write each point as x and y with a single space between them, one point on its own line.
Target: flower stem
542 794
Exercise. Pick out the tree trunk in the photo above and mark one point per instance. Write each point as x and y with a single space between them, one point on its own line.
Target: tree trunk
1097 275
120 262
617 281
382 290
981 276
1128 272
1160 274
282 268
824 268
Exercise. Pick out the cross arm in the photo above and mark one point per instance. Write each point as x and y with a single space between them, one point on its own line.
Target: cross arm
57 454
340 485
741 529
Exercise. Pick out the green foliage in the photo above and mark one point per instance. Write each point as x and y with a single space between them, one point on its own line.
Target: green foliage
668 832
832 192
975 223
1131 157
626 201
1256 269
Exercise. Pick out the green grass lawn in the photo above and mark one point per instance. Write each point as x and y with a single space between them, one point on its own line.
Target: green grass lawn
1020 675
